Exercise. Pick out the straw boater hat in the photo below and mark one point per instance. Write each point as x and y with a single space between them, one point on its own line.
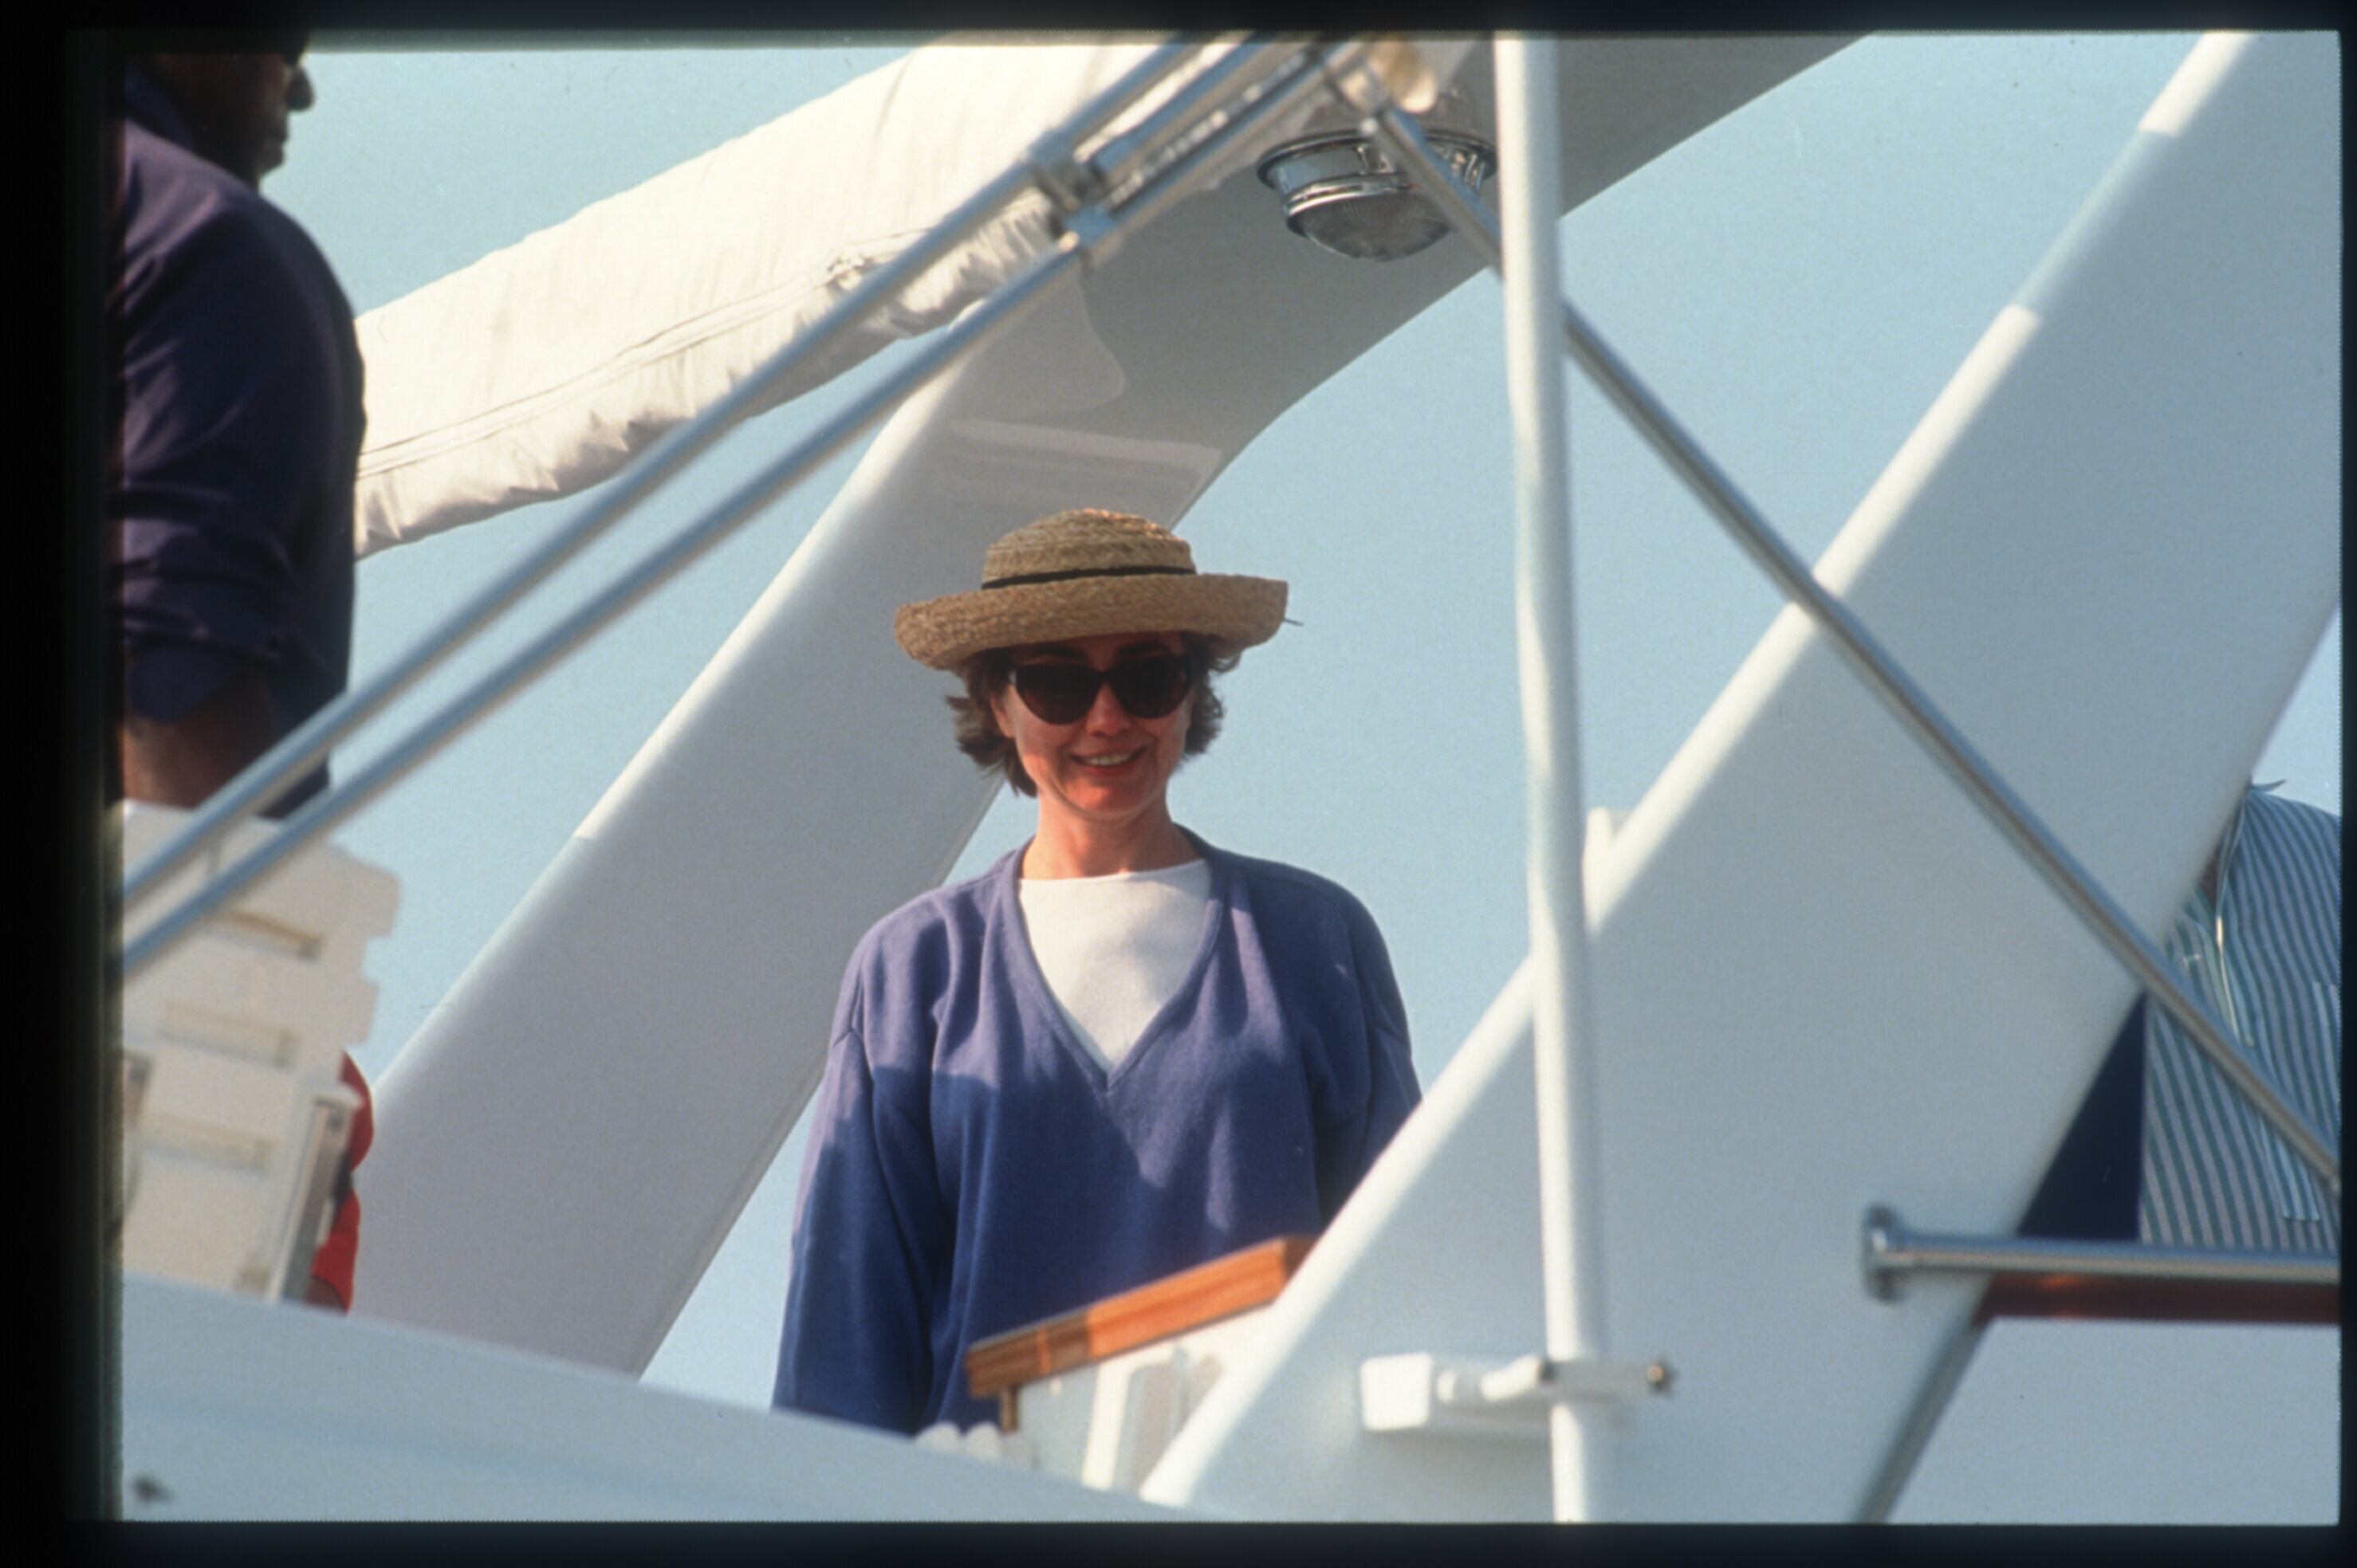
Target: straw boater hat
1086 573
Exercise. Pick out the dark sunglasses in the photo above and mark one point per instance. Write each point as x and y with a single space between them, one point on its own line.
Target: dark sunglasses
1063 693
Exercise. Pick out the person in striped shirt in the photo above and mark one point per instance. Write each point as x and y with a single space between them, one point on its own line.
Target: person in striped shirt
2260 941
2163 1149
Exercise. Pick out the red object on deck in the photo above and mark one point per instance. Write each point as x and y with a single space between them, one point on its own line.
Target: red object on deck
332 1264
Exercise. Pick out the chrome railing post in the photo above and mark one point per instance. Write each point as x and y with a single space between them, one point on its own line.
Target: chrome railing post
1888 1250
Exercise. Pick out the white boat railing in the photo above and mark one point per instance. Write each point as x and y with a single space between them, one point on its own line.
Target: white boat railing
1190 133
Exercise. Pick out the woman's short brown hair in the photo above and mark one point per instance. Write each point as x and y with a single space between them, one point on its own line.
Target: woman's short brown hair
986 676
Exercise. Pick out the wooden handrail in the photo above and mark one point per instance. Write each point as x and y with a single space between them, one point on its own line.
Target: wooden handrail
1173 1305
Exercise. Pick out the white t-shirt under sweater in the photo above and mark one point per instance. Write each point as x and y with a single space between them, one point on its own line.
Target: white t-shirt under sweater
1113 949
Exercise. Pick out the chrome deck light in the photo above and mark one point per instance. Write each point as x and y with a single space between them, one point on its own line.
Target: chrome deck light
1344 192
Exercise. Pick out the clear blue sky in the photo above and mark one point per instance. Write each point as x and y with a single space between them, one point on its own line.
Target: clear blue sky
1797 282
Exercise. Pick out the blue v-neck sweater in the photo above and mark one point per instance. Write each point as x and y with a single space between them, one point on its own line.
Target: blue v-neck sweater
972 1168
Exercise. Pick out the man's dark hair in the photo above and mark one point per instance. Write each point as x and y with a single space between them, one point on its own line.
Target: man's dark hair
136 43
986 676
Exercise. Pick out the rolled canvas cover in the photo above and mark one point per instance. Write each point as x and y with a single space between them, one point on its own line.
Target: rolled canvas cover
539 370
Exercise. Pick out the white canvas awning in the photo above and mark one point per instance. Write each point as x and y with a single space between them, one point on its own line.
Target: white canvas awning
539 370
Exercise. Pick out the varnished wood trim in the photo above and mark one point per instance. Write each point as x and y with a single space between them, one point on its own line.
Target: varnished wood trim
1189 1299
2163 1301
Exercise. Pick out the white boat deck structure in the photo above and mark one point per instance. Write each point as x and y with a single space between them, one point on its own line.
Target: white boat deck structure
1822 980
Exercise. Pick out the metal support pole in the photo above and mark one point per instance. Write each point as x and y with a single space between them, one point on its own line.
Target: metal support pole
1562 1027
1123 156
2083 896
1890 1249
1090 236
295 753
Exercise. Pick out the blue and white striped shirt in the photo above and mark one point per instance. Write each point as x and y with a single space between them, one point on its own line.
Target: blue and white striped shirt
2266 958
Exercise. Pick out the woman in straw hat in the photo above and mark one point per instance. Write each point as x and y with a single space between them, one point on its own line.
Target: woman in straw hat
1117 1054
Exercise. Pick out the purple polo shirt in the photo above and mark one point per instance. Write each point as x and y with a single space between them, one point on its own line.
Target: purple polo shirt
230 509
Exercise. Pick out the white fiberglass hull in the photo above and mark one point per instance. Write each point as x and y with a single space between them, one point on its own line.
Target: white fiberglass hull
236 1409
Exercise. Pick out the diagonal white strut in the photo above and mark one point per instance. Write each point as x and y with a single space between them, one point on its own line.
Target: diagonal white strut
1563 1018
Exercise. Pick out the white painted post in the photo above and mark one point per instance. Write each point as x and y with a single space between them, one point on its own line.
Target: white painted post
1569 1214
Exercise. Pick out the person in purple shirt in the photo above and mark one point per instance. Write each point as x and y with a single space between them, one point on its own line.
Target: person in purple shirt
228 501
238 420
1118 1053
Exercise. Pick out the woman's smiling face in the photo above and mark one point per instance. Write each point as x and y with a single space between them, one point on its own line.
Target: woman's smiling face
1108 768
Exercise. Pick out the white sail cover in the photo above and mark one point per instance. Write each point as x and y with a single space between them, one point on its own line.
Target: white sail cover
539 370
